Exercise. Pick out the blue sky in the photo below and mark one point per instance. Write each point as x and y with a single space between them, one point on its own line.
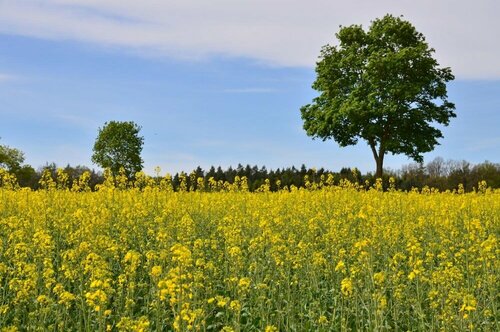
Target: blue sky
230 99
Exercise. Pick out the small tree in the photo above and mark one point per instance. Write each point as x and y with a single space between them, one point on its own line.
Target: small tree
118 144
381 85
10 158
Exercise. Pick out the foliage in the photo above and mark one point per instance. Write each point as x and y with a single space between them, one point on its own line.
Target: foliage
146 258
383 86
10 158
118 145
26 176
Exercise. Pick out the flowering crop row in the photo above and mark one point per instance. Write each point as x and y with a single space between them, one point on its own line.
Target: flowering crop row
327 259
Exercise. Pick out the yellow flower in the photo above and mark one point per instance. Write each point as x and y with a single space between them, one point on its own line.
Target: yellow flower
346 286
3 309
221 301
156 271
235 305
340 267
42 299
9 329
244 283
66 298
379 278
469 305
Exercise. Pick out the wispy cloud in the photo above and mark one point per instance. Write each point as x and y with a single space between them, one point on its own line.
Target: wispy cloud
275 32
7 78
85 122
250 90
489 143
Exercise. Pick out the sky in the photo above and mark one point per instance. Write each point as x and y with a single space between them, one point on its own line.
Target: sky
220 82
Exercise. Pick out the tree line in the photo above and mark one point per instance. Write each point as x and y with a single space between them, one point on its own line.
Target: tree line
440 174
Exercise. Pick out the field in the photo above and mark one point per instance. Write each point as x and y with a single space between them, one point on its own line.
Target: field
334 258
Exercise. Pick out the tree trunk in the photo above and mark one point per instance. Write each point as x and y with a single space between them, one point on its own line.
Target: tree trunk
379 159
380 166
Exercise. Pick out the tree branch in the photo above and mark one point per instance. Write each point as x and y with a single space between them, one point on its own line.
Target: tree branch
374 150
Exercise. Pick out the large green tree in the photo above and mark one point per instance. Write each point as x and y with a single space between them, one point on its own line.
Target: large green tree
383 86
118 145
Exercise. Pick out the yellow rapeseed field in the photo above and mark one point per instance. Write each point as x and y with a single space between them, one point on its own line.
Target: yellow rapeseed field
140 257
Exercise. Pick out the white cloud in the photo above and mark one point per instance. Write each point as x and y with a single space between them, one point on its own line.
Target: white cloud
274 32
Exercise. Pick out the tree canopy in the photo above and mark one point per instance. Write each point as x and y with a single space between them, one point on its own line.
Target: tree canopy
10 158
383 86
118 145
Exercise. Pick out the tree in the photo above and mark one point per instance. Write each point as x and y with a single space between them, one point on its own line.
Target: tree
26 176
118 145
381 85
10 158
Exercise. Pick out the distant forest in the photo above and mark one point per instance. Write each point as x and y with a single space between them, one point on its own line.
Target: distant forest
439 174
